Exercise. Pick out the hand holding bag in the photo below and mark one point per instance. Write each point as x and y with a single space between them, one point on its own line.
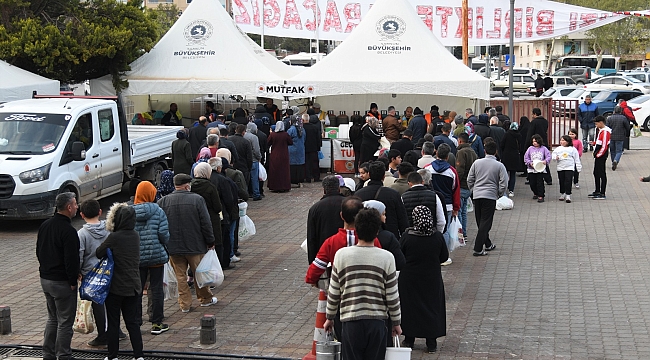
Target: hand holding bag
396 352
209 272
454 242
97 283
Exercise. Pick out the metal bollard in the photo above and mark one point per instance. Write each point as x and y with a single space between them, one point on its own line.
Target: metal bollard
5 320
208 330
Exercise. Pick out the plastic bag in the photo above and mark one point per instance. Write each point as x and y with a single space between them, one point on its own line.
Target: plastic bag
242 208
170 284
246 227
453 227
304 246
505 203
209 272
636 132
470 205
262 173
83 320
97 282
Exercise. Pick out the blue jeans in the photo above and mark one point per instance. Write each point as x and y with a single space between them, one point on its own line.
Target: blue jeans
255 180
233 226
446 234
462 214
587 137
61 309
617 150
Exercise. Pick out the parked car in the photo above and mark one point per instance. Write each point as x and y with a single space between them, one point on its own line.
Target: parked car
619 83
559 91
493 71
580 74
562 81
570 106
520 83
608 99
641 107
521 71
639 75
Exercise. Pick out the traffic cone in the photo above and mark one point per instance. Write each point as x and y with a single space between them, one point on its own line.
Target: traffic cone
319 331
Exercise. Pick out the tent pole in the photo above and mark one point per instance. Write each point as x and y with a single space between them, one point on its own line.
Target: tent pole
262 13
465 34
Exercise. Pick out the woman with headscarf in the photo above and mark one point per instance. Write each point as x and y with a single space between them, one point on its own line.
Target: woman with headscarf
297 151
421 290
182 154
202 185
166 184
279 174
475 141
369 139
204 155
510 146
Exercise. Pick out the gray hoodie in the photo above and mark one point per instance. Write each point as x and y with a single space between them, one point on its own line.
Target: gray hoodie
90 237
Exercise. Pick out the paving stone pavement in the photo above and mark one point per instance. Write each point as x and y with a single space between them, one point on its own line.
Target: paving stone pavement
565 282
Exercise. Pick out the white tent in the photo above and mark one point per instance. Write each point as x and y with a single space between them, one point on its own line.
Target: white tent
203 53
392 52
18 84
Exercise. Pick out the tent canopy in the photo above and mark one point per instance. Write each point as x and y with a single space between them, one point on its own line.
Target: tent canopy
204 52
392 52
18 84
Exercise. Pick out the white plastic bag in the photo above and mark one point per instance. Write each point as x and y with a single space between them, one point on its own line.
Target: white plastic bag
246 227
242 208
470 205
209 272
505 203
453 227
170 284
262 173
84 323
304 246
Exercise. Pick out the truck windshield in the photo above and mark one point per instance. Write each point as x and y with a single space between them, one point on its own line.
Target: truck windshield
31 133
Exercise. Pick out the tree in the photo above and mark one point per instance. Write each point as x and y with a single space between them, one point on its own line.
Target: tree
74 40
165 15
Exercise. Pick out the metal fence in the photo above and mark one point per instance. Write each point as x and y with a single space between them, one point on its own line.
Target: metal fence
559 113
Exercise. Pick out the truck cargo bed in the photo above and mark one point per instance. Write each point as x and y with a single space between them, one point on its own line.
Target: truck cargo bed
149 142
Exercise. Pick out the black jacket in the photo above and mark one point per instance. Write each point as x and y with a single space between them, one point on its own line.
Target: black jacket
182 157
313 140
57 250
396 219
482 130
323 221
224 143
510 146
264 147
497 133
124 242
389 242
245 151
403 145
190 229
197 135
228 195
538 126
210 194
420 195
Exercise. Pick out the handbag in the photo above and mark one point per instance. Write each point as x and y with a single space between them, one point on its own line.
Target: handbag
97 283
83 320
396 352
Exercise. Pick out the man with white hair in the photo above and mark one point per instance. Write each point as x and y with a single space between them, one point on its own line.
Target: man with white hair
497 133
469 115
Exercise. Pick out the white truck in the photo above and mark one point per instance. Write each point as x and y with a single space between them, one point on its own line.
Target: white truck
50 145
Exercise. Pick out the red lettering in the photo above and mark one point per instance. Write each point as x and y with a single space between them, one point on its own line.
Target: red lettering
313 5
332 18
444 12
518 23
588 19
256 13
459 31
244 18
545 22
603 16
496 33
272 13
479 22
573 21
292 16
426 13
347 153
529 21
352 13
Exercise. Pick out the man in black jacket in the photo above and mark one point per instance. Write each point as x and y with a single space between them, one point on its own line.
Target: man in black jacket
244 150
230 211
418 194
313 143
197 135
57 251
224 143
404 144
396 219
539 126
324 217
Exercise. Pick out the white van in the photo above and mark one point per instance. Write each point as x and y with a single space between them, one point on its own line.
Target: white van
57 144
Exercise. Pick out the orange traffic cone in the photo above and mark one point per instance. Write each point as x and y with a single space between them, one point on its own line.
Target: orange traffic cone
319 331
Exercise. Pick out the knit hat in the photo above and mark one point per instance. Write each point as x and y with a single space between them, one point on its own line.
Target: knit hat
146 192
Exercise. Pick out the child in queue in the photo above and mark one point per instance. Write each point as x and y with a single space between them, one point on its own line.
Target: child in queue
568 159
573 133
537 152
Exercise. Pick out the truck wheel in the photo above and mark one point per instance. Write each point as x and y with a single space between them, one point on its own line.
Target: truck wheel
152 173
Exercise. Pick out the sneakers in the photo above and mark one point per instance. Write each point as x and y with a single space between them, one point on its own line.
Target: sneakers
212 302
237 253
482 253
511 194
568 199
600 197
491 247
157 329
614 164
577 186
562 197
540 199
234 259
185 311
448 262
98 342
593 194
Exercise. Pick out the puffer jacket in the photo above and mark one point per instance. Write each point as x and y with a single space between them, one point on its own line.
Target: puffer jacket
151 224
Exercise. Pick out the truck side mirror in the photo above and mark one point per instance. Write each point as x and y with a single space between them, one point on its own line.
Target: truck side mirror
78 151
